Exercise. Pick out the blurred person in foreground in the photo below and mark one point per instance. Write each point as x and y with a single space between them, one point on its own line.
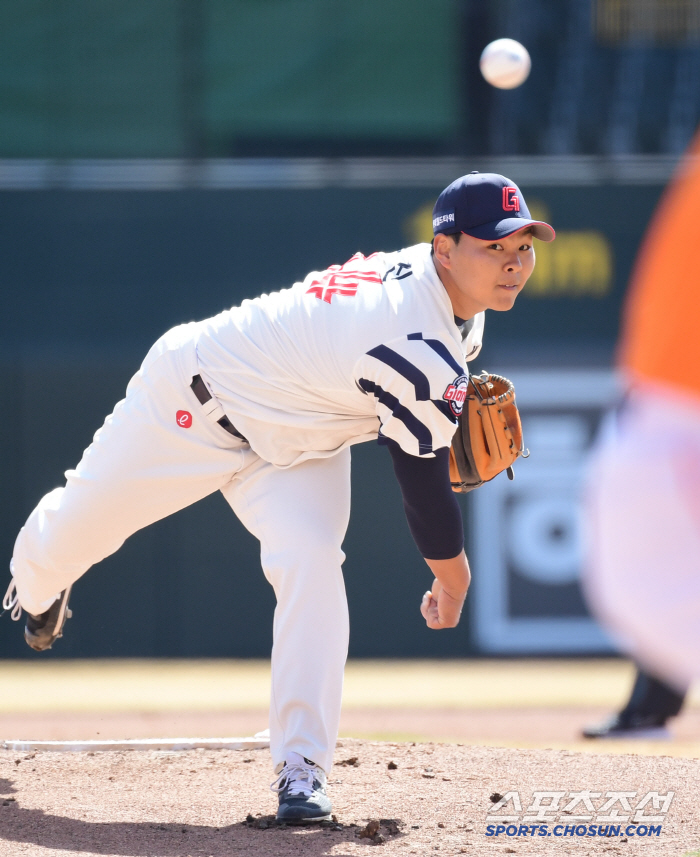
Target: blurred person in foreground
643 505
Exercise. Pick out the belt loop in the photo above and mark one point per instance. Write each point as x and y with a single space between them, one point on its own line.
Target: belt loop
212 408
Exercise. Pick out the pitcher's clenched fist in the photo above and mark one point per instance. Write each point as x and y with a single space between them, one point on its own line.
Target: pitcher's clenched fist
440 608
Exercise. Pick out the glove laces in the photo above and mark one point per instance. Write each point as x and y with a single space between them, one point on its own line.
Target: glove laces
11 602
298 776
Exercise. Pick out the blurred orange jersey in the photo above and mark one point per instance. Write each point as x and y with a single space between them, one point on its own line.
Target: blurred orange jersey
661 327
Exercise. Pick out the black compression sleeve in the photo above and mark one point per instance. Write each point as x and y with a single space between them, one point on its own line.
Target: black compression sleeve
432 510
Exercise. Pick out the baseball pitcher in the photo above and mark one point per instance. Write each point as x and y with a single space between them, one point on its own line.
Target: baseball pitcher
263 402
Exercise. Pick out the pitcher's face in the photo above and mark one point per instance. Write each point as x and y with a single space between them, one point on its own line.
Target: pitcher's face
484 275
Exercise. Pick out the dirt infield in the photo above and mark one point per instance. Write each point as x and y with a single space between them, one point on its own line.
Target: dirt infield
217 804
426 798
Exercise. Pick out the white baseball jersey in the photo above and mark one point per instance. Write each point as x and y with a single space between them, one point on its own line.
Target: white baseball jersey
362 350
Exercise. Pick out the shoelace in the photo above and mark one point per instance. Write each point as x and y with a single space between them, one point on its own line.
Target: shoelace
11 602
300 777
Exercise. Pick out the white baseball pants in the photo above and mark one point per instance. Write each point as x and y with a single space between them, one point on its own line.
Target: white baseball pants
643 575
143 465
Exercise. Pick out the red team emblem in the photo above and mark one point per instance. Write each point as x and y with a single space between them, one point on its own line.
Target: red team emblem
510 199
456 394
343 279
183 419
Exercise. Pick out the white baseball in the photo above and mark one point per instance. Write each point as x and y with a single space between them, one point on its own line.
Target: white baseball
505 63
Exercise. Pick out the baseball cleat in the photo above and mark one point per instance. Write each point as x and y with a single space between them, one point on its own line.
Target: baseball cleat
42 631
643 727
301 788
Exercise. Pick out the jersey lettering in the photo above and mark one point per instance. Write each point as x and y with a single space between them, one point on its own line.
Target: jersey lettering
398 272
343 279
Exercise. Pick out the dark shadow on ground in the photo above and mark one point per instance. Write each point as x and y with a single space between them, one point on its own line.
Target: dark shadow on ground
149 839
6 787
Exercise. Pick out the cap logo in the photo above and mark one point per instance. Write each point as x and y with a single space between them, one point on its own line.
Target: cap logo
510 199
183 419
449 217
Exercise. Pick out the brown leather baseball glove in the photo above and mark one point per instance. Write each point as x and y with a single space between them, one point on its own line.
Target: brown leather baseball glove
489 434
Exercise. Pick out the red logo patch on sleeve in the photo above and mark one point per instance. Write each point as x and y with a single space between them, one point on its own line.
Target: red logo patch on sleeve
456 394
183 419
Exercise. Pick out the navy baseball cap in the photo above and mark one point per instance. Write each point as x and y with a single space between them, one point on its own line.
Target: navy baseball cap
486 206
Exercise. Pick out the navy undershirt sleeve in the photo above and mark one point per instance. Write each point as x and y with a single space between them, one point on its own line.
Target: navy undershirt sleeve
433 513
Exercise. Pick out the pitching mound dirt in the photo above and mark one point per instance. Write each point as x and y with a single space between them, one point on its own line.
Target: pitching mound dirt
402 798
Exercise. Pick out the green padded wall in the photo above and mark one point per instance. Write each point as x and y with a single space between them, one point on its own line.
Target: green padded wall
170 78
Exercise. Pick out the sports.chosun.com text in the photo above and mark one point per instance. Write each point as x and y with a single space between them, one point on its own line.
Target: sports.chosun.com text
605 831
